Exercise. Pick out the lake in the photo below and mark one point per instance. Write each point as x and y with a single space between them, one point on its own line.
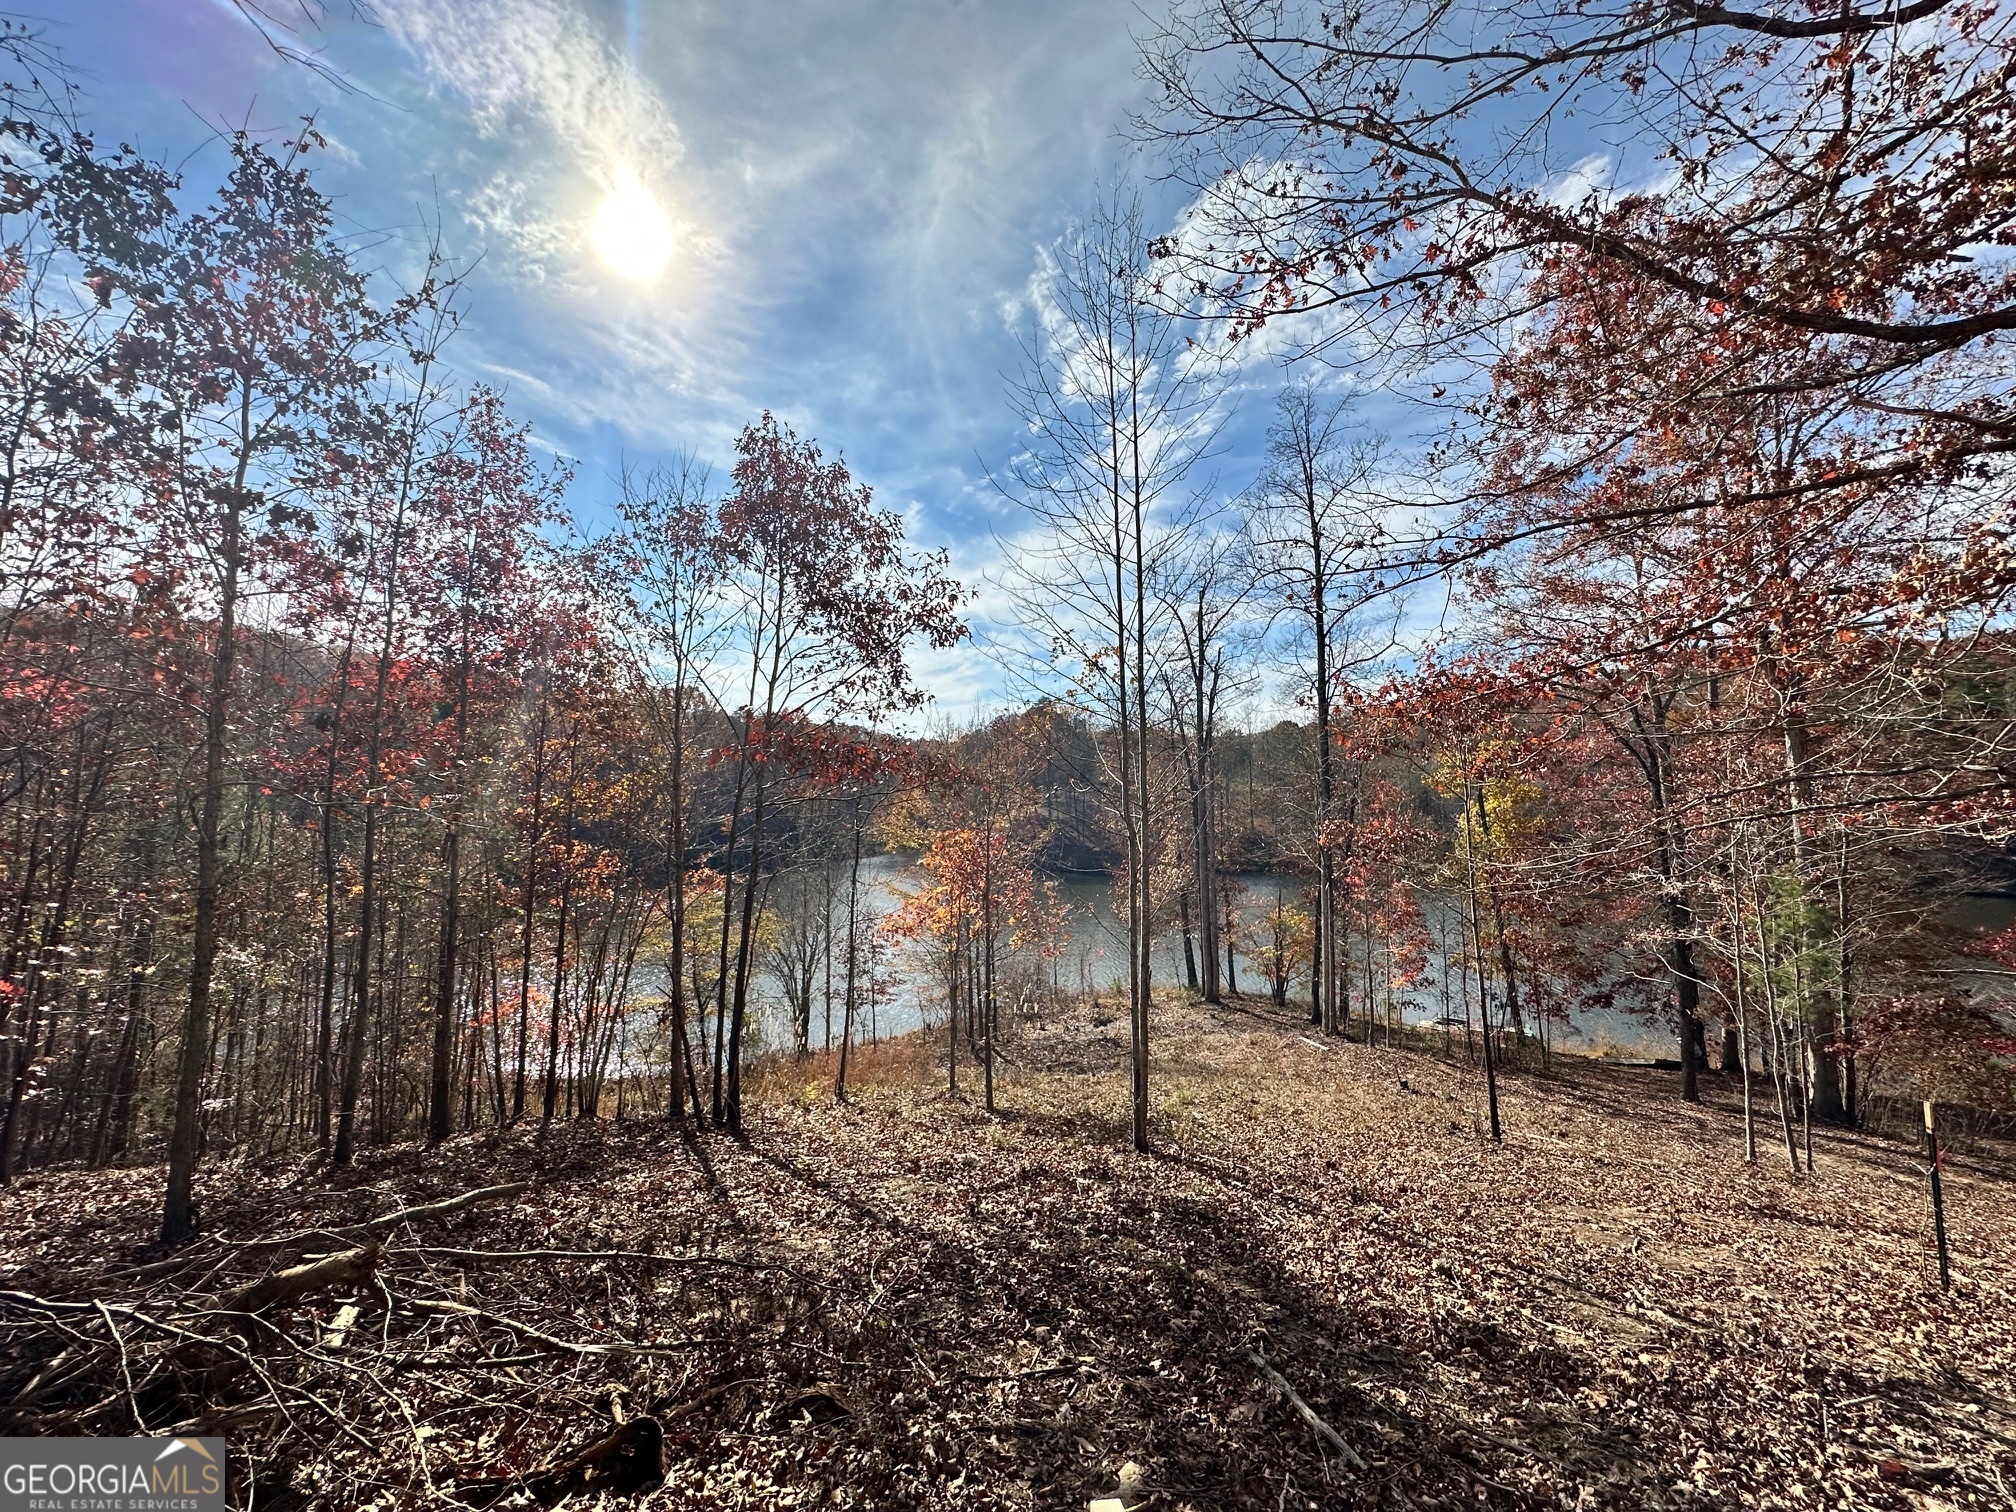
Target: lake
1095 960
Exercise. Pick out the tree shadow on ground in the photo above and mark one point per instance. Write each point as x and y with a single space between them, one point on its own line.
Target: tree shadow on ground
1129 1318
1169 1321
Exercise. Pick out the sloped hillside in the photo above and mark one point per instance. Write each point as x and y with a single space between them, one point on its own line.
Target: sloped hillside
907 1302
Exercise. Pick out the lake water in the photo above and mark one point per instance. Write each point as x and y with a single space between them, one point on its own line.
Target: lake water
1095 958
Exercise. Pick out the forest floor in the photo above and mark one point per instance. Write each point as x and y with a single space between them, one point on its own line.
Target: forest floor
908 1302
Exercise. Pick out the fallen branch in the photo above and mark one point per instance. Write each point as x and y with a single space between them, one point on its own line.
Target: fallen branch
51 1309
371 1228
545 1341
447 1207
693 1404
345 1268
1515 1445
1068 1367
1280 1384
44 1380
125 1366
566 1254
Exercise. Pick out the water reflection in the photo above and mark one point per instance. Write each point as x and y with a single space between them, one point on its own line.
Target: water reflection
1095 960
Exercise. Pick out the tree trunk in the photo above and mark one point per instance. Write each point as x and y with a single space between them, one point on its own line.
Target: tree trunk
853 954
530 908
1189 942
178 1213
115 1127
440 1118
745 946
1822 1071
360 1018
676 1079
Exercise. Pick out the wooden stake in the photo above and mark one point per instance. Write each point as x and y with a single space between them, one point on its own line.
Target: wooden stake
1938 1197
1483 992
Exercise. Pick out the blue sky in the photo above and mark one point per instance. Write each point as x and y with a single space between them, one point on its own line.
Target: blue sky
859 195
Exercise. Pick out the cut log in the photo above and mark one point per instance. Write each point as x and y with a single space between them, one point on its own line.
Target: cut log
339 1329
345 1268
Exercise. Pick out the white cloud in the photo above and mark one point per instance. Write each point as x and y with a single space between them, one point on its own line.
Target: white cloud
540 60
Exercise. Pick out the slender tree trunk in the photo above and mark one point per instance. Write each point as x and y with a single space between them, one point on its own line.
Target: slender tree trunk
1144 992
1231 965
178 1213
1687 995
24 1065
1780 1077
18 932
826 949
1818 1007
551 1087
360 1018
987 969
325 1022
1484 995
356 1039
853 955
530 910
82 803
1204 829
1742 1009
1324 963
1189 941
675 861
744 950
440 1116
722 982
116 1127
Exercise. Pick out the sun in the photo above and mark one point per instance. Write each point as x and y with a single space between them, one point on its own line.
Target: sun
631 231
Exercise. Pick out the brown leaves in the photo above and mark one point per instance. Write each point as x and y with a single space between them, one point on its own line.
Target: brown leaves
904 1303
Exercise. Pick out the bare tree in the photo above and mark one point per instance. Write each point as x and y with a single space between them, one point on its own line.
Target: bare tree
1313 521
1205 590
1120 405
670 583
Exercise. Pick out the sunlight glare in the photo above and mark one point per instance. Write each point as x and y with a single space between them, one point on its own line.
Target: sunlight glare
631 232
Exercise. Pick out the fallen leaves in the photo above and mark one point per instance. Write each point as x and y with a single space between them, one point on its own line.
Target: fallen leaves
905 1303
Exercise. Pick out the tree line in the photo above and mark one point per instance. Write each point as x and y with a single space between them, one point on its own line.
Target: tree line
354 791
1709 716
347 783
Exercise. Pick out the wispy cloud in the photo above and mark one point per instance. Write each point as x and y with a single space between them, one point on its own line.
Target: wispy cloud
540 61
566 116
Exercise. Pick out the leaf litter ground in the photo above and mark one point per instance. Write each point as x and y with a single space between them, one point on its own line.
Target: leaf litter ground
908 1302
